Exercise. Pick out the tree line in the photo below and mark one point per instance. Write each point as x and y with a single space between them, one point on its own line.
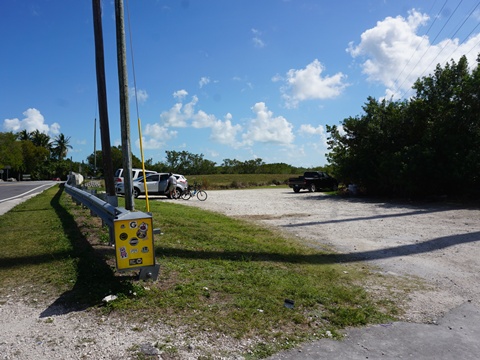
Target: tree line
187 163
34 153
42 157
428 145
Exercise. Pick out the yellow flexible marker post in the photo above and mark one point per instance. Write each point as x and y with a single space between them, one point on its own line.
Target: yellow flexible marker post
143 165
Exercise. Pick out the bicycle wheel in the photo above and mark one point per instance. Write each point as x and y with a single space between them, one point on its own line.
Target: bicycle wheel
202 195
186 195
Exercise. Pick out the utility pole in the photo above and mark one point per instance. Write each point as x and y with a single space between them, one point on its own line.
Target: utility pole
95 148
124 108
102 104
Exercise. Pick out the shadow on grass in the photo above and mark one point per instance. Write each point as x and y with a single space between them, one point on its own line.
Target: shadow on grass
326 258
95 279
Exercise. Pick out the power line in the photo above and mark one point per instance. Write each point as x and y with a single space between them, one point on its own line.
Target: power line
133 62
474 46
443 27
466 37
443 47
448 20
421 57
420 43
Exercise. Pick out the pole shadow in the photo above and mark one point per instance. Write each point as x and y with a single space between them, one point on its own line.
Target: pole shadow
325 258
95 278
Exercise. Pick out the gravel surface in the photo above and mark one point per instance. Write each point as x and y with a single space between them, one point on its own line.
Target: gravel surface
437 245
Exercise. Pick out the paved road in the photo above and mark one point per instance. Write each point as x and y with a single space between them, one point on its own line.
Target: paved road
14 193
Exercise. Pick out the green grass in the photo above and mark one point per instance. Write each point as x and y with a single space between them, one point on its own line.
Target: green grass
239 181
44 246
218 274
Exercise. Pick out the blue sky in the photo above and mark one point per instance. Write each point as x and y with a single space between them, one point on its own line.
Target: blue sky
228 79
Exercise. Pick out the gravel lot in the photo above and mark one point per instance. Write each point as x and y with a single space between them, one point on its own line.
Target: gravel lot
438 244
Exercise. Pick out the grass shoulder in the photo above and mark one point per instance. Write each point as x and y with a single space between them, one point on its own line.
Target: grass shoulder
218 275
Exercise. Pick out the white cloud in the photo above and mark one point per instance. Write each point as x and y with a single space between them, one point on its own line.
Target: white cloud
203 81
309 84
248 84
224 132
180 94
159 132
257 42
277 78
309 130
142 95
179 114
189 108
213 153
54 129
266 128
174 116
150 144
395 56
33 120
202 120
389 46
158 136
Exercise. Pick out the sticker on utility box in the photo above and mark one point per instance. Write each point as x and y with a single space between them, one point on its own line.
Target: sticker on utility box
134 241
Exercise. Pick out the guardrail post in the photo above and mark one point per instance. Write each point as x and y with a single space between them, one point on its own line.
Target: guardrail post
131 233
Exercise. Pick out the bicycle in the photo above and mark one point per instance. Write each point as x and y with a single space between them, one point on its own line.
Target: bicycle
196 190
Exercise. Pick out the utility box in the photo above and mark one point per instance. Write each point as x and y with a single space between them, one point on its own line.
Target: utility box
133 232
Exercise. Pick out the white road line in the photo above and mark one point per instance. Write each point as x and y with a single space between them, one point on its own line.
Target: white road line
25 193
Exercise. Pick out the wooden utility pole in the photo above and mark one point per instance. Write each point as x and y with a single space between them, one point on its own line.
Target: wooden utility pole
124 108
102 103
95 148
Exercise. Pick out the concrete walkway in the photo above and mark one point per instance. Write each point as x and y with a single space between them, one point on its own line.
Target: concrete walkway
454 336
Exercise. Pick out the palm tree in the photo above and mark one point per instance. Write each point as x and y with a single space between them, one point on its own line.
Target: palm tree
40 139
24 135
60 146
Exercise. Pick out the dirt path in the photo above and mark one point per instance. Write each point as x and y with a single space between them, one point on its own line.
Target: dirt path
439 243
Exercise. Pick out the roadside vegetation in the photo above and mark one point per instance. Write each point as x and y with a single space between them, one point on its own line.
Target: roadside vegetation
426 146
239 181
218 275
20 153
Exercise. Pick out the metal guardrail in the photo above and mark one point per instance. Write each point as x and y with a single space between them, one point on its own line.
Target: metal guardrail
106 211
131 233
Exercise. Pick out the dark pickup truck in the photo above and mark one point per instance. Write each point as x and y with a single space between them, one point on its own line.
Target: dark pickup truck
313 181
